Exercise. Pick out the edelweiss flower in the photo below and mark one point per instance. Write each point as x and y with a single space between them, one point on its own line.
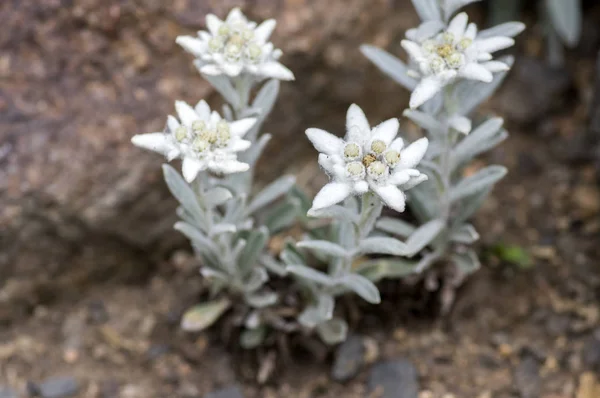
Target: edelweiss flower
235 46
451 54
367 159
203 140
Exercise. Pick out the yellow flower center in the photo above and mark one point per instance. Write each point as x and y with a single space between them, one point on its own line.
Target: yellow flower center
180 133
355 169
392 157
368 159
200 145
377 168
351 151
378 146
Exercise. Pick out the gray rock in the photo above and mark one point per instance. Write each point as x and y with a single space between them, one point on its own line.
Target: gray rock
527 377
591 352
228 392
59 387
393 379
7 392
349 358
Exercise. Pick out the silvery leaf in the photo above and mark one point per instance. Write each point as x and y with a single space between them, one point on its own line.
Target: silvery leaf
507 29
395 226
217 196
255 245
252 338
324 247
290 256
266 97
258 276
469 205
283 216
251 155
337 212
310 317
333 331
451 6
361 286
227 112
325 306
223 85
234 211
253 320
381 245
185 216
479 181
374 206
261 300
201 316
213 275
423 200
222 228
273 265
566 19
466 234
423 236
428 10
270 193
466 262
197 237
424 120
484 137
469 94
390 65
184 194
310 274
425 31
376 270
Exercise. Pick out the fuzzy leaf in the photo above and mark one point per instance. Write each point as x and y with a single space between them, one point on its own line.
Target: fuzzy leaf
257 278
376 270
336 212
324 247
482 180
201 316
424 120
217 196
423 199
428 10
466 262
466 234
451 6
311 274
197 237
423 236
255 245
261 300
333 331
361 286
469 205
252 338
566 19
382 245
325 306
273 265
266 97
270 193
395 226
223 85
483 138
390 65
184 194
507 29
283 216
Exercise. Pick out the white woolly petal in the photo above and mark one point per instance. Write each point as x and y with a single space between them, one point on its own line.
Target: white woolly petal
482 57
276 70
330 194
240 127
324 142
232 70
213 23
191 167
414 181
495 66
172 123
327 163
425 90
458 25
205 36
412 154
211 70
471 32
391 196
397 144
427 30
214 118
361 187
236 15
412 34
494 44
357 124
186 113
203 110
264 30
413 50
173 153
238 145
386 131
460 123
231 166
399 177
157 142
475 71
191 44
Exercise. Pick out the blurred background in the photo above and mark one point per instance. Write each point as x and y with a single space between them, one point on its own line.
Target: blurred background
93 279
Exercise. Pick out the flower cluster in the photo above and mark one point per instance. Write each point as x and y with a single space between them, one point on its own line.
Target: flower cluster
367 159
456 52
236 46
203 139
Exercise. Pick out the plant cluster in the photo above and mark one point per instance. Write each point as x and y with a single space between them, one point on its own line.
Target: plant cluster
348 246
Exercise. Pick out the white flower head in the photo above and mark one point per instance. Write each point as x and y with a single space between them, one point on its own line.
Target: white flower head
457 52
203 139
367 159
235 46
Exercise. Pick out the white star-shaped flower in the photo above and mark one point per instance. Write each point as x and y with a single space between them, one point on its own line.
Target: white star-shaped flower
203 139
454 53
236 46
367 160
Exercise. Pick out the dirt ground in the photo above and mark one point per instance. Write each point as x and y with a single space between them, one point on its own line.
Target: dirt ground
516 330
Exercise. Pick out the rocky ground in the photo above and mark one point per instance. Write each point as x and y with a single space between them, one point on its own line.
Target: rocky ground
526 326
